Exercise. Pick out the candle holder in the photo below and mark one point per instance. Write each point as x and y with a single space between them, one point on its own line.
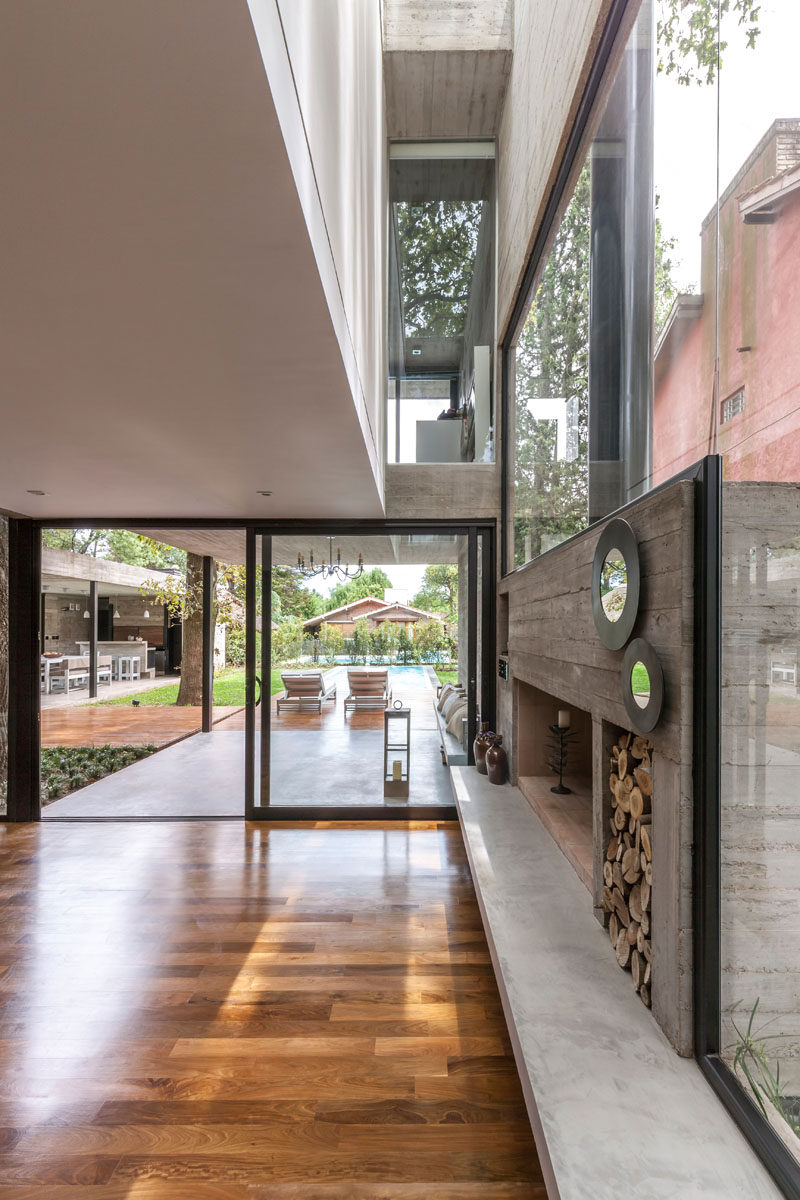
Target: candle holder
558 746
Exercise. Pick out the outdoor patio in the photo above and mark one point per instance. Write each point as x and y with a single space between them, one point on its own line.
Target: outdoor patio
319 759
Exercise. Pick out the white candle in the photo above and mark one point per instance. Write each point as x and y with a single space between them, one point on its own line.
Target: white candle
397 770
563 718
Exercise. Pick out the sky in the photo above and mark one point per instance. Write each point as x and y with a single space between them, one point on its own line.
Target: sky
406 577
756 87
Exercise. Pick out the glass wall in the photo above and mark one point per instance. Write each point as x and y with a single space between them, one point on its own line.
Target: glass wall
361 622
757 431
663 328
593 421
441 315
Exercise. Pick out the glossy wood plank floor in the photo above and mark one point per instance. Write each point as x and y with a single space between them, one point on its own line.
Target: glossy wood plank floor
205 1011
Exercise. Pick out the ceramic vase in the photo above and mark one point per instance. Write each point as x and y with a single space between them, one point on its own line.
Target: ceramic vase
483 741
496 761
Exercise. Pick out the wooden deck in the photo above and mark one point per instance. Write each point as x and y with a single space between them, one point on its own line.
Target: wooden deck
95 725
212 1012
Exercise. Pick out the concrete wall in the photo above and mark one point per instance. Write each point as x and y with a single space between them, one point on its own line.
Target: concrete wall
63 630
553 48
760 764
554 646
442 490
324 66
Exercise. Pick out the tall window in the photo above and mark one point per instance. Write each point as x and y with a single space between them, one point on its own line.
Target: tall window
441 302
599 412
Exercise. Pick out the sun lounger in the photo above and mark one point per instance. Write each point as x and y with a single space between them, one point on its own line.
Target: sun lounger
305 690
368 690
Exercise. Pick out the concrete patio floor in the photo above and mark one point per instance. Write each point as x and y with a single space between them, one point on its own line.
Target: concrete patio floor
314 760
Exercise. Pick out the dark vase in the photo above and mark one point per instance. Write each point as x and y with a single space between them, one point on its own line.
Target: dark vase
483 741
496 761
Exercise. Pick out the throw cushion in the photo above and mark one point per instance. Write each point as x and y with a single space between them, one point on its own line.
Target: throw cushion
456 717
450 703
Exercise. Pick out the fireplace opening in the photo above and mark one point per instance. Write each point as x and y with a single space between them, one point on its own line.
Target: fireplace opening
566 816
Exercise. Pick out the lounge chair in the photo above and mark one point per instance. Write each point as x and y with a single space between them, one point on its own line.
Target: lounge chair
305 689
368 689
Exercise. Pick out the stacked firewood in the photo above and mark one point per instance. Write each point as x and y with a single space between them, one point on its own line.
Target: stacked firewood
628 864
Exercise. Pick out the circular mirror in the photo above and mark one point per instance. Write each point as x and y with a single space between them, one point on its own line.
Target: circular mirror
640 684
613 584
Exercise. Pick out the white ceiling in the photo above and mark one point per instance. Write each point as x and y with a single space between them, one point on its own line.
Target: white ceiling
165 343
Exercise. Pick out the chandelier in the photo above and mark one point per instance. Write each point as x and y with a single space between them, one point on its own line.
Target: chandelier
330 568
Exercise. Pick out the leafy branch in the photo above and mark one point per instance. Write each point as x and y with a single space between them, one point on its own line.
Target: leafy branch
687 36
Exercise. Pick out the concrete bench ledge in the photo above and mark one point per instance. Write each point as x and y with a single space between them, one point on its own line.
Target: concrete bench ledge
609 1099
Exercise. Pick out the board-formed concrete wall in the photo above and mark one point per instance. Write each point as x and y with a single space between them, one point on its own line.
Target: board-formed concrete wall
554 646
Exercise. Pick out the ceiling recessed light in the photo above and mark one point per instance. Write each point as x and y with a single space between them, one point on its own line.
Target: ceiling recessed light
260 493
36 492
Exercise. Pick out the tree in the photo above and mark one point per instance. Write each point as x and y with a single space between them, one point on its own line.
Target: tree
686 36
429 640
287 641
438 241
116 545
439 590
191 685
551 493
361 638
405 647
553 360
371 583
331 640
294 598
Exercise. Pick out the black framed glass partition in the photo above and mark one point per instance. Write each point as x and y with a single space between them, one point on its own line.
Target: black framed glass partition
341 624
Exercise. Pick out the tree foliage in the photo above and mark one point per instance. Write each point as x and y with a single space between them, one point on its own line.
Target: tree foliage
371 583
686 36
439 590
294 598
438 241
553 361
551 493
116 545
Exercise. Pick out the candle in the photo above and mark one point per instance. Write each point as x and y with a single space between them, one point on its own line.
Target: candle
397 770
563 718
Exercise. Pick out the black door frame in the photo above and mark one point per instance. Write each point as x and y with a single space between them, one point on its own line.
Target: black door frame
255 683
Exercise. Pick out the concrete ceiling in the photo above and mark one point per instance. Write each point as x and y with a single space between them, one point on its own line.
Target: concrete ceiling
166 345
228 546
446 66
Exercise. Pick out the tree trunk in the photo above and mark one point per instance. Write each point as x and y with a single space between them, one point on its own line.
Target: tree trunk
191 686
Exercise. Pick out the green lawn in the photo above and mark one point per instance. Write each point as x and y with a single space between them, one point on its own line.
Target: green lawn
447 674
640 680
228 690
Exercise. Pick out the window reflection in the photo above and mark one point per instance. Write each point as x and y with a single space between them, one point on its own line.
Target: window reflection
441 302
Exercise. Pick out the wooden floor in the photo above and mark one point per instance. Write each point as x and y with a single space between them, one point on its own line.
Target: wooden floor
204 1011
159 725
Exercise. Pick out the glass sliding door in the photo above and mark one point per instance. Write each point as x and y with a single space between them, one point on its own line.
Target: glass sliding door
341 626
